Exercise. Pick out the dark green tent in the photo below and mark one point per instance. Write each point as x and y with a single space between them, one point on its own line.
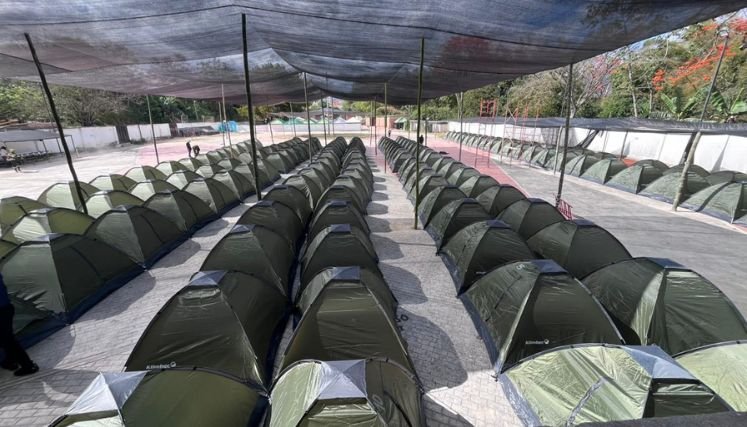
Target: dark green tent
144 173
222 321
595 383
336 212
480 247
652 162
431 204
255 250
579 246
528 151
360 172
727 201
146 189
241 168
318 174
410 183
337 245
459 176
722 177
442 163
14 208
603 170
239 185
181 179
6 247
174 397
186 211
357 185
373 392
207 171
189 163
141 233
427 185
277 217
64 195
280 161
215 194
635 178
308 186
43 221
528 216
524 308
723 368
103 201
171 166
578 165
291 197
677 170
346 315
665 188
209 157
453 217
657 301
113 182
496 198
342 192
65 274
32 324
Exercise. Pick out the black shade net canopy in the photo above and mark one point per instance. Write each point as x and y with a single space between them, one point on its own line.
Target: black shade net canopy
348 48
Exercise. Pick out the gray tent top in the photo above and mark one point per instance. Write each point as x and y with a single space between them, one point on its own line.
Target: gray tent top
349 49
25 135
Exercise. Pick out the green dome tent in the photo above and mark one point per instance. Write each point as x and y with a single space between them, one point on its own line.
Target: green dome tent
141 233
255 250
342 192
528 216
657 301
14 208
603 170
579 246
239 185
281 161
189 163
64 195
291 197
427 185
604 383
578 165
208 158
310 188
360 173
459 176
480 247
697 170
346 316
525 308
185 210
665 188
144 173
32 324
277 217
474 186
652 162
221 321
453 217
372 392
113 182
146 189
103 201
723 177
337 245
528 152
267 173
215 194
181 179
171 166
496 198
43 221
6 247
635 178
207 171
336 212
65 274
442 164
723 368
410 183
727 201
432 204
320 173
197 398
357 185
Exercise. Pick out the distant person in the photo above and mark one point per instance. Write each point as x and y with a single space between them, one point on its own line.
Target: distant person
12 158
189 148
421 139
3 153
389 133
196 150
16 358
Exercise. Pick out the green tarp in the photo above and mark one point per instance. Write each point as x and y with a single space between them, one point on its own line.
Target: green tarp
43 221
528 216
723 368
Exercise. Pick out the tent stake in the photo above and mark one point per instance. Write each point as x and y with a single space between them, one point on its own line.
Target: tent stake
308 116
250 107
152 129
57 121
417 141
569 99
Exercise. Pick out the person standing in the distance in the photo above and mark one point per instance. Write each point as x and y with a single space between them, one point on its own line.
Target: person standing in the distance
189 148
16 358
196 149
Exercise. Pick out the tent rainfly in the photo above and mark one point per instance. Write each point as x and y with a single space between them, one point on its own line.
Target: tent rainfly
337 212
64 195
43 221
14 208
677 170
144 173
496 198
426 185
171 166
453 217
342 192
528 216
113 182
214 193
665 188
146 189
277 217
291 197
181 179
603 170
432 204
338 245
726 201
635 178
723 177
723 368
308 186
104 201
185 210
578 165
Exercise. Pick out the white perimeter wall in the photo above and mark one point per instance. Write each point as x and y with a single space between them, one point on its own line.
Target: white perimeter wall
91 138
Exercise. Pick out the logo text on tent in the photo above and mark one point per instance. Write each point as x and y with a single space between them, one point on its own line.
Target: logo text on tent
161 366
537 342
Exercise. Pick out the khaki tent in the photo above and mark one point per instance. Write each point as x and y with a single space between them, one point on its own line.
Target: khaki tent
603 170
635 178
336 212
665 188
579 246
727 201
524 308
222 321
657 301
723 368
453 217
181 179
14 208
432 204
496 198
341 192
146 189
307 185
480 247
113 182
104 201
64 195
65 274
374 392
171 166
291 197
346 315
172 397
43 221
215 194
338 245
528 216
255 250
141 233
144 173
579 384
277 217
186 211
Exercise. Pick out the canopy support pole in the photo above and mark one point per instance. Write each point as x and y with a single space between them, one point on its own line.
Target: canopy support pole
220 118
269 125
324 120
308 116
57 121
376 151
569 99
696 140
293 118
417 141
332 118
460 98
386 119
225 117
152 128
250 107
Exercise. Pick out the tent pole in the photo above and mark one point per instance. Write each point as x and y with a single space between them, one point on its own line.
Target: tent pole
225 117
293 118
417 140
696 140
460 98
57 121
569 99
250 107
308 116
152 129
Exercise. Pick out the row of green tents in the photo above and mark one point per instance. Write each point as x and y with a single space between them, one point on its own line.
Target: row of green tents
721 194
532 312
58 261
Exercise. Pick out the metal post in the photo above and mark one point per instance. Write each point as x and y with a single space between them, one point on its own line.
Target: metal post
569 99
308 116
691 151
194 107
417 140
324 120
225 116
222 129
294 119
557 141
269 125
386 119
250 108
152 129
374 129
332 118
460 98
56 117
